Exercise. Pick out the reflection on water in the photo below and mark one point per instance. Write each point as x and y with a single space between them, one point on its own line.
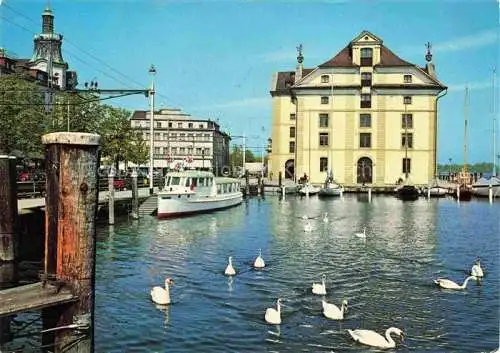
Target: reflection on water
386 278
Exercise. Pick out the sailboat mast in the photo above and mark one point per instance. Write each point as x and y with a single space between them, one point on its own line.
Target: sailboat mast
330 138
466 115
494 108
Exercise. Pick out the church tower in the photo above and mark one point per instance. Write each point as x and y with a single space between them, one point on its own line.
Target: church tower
47 55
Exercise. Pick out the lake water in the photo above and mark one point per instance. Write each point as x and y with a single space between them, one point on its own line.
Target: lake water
386 278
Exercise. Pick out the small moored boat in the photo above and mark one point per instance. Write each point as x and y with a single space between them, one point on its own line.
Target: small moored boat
309 189
192 191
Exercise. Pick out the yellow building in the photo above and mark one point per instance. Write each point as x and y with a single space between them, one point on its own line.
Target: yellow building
366 115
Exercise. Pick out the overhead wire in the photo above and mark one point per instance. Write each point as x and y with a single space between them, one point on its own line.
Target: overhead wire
83 51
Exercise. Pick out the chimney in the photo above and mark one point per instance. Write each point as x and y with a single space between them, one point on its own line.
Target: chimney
429 67
298 69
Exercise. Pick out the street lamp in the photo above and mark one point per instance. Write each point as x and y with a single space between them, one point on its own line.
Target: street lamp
152 72
449 172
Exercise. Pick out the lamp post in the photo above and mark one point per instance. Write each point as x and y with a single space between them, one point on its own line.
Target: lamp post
152 72
449 172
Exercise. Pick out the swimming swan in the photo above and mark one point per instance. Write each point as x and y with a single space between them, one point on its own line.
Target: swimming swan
332 311
372 338
448 284
319 288
308 227
259 261
362 235
230 269
476 270
325 218
273 316
162 295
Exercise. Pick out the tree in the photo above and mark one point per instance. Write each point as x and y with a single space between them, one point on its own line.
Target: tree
236 156
22 117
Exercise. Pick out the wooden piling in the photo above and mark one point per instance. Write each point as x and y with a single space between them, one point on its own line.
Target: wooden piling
72 162
280 180
247 183
135 196
8 209
111 196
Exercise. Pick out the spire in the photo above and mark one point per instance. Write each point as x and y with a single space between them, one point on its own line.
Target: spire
47 20
429 66
299 68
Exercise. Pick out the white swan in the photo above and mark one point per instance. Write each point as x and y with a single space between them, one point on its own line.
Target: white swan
331 311
308 227
305 217
476 270
162 295
273 316
362 235
325 218
230 269
259 261
374 339
319 288
448 284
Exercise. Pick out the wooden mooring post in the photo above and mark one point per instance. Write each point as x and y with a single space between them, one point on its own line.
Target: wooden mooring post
8 232
135 196
111 196
72 162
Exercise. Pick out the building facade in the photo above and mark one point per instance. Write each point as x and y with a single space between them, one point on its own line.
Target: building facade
365 115
181 140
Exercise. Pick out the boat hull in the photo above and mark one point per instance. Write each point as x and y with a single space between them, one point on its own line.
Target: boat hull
484 190
407 193
329 192
438 191
309 190
465 194
169 206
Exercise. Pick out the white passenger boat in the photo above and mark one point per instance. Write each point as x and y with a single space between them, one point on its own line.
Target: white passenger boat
482 187
192 191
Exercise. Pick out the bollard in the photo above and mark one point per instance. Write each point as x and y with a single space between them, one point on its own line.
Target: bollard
8 209
428 192
111 196
72 162
490 193
458 193
369 194
135 196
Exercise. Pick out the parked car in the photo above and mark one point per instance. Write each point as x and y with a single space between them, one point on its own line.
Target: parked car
119 184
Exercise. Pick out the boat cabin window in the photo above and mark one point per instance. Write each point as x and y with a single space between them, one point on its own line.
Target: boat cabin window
218 188
194 182
201 181
167 182
210 181
175 181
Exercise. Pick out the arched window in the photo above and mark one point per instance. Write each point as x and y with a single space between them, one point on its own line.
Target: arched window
364 171
289 169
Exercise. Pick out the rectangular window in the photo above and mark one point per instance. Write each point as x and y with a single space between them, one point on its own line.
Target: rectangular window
181 137
173 136
366 101
198 150
173 150
201 126
365 140
323 120
157 136
157 150
366 57
190 125
408 137
182 150
169 124
366 79
324 100
407 121
291 147
179 125
158 124
407 78
292 131
292 116
365 120
323 138
406 100
323 164
407 165
190 150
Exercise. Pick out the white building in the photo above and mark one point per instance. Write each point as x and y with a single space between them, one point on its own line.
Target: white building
183 140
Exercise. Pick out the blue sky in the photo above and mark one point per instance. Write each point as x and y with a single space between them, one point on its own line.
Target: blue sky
215 58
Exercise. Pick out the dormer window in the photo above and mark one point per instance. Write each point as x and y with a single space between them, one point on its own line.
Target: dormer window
325 78
324 100
407 78
366 56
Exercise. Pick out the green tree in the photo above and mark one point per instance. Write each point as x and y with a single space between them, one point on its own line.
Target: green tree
22 115
236 156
